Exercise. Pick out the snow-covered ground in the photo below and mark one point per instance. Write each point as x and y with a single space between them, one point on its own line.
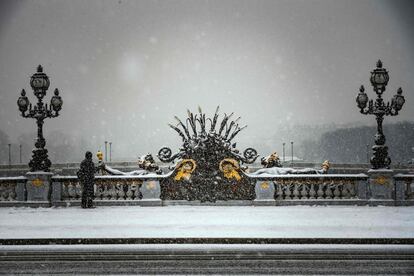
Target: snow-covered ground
208 222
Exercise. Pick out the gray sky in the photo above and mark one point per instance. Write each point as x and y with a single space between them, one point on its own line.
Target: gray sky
125 68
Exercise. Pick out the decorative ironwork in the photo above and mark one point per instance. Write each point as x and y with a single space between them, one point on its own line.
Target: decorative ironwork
40 83
208 142
379 80
200 139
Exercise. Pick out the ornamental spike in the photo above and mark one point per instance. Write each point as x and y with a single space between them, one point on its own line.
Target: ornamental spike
183 126
379 64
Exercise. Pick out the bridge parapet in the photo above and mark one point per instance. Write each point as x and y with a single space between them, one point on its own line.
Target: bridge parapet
329 189
404 189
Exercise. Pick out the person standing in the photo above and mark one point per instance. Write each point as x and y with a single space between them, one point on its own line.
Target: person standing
86 176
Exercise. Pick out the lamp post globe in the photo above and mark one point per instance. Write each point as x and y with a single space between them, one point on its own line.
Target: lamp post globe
40 83
379 78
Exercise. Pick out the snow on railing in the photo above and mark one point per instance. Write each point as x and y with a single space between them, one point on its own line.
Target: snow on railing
9 187
315 186
404 186
107 187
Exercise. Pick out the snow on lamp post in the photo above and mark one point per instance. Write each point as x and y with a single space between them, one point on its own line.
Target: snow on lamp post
379 80
40 83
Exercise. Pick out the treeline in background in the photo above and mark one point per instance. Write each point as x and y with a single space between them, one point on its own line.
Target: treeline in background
339 144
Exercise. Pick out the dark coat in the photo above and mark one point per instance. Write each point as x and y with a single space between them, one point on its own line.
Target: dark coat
86 175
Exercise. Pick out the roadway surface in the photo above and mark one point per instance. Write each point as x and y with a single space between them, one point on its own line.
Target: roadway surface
190 240
206 259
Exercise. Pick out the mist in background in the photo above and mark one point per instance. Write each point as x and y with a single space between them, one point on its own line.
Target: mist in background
125 68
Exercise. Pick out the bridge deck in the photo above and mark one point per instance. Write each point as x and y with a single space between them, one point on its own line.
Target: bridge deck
294 240
208 222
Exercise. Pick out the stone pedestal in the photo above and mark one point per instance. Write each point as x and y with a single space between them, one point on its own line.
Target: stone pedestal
265 192
38 186
151 192
381 184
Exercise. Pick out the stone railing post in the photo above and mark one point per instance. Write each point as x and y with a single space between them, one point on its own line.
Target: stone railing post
381 184
399 191
151 192
21 190
38 186
265 193
56 193
362 189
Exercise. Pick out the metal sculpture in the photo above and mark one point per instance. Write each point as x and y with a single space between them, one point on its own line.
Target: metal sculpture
40 83
209 143
379 80
146 163
271 161
200 138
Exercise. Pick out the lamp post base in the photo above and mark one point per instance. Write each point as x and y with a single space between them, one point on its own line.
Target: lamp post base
40 161
381 185
380 160
38 186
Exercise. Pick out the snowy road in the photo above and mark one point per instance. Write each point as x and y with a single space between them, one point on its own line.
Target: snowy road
208 222
113 224
208 259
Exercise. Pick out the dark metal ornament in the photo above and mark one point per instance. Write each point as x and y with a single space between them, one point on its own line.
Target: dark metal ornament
379 80
207 146
40 83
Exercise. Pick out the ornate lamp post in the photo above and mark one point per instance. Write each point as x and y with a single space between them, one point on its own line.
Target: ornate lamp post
40 83
379 80
283 152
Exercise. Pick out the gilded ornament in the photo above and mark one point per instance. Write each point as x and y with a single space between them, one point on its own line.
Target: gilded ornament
184 169
230 168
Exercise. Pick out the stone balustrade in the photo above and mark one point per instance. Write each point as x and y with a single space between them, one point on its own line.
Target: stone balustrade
404 189
12 189
106 188
312 188
109 189
270 190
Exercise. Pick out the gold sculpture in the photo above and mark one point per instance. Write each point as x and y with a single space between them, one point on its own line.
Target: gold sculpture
230 168
184 169
99 154
326 165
